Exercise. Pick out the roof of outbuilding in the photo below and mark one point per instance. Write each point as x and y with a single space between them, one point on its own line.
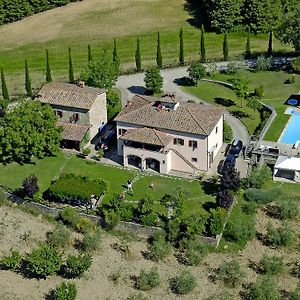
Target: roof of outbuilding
187 117
70 95
73 132
147 136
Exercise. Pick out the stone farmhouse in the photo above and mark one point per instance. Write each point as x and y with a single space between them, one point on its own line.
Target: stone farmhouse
169 136
80 110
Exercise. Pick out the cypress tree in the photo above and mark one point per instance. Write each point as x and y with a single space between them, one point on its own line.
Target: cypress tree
27 80
48 70
248 47
202 45
270 45
158 52
71 71
138 59
115 53
5 94
225 47
90 57
181 48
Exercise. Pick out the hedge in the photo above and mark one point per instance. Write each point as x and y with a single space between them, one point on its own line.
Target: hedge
76 190
262 196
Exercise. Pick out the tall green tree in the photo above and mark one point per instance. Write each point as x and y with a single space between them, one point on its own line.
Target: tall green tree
202 45
270 43
115 53
181 47
5 93
71 71
248 46
153 80
240 88
102 73
48 70
254 104
138 58
225 47
225 15
289 30
29 131
90 56
159 60
27 80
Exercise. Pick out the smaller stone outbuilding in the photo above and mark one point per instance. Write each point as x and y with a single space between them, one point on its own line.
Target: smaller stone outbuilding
81 110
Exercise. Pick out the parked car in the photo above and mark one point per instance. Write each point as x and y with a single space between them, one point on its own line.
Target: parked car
107 140
236 147
229 162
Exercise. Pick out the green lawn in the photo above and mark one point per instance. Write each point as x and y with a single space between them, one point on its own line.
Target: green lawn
49 169
46 170
275 94
97 24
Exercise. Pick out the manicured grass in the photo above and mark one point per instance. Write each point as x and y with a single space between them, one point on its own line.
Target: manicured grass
97 23
211 93
46 170
275 94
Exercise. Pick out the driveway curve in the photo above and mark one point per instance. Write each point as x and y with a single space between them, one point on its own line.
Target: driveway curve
134 84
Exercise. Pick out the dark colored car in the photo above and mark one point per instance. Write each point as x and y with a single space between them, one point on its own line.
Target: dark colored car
107 140
229 162
236 147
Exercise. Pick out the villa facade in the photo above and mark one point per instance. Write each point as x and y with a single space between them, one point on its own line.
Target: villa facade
169 136
80 110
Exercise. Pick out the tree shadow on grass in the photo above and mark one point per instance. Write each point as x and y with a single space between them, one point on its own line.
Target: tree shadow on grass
239 114
225 102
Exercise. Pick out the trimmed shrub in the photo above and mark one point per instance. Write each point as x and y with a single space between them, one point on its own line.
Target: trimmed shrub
288 209
258 177
77 265
264 63
227 136
283 236
195 252
264 288
65 291
12 261
85 225
148 281
196 72
76 190
159 247
59 237
259 92
44 261
69 216
230 273
216 220
240 227
271 265
262 196
184 284
90 241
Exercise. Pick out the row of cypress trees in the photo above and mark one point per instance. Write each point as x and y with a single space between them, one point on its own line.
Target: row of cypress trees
138 59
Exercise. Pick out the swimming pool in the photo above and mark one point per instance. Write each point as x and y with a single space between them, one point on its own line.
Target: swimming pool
292 131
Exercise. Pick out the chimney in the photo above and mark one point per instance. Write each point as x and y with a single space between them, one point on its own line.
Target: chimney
81 83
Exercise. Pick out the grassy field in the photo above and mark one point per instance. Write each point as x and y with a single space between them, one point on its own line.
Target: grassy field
13 174
97 22
275 94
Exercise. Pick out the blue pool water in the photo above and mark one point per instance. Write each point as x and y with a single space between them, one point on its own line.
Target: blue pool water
292 133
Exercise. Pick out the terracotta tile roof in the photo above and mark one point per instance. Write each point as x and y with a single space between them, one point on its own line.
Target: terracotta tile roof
71 95
73 132
147 136
187 117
